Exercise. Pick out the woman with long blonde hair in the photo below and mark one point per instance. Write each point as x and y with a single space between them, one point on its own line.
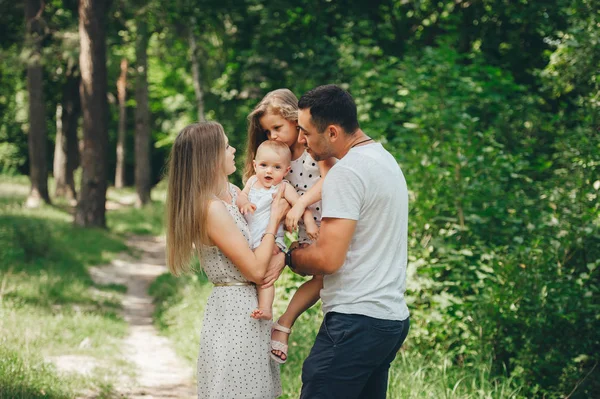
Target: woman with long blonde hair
201 214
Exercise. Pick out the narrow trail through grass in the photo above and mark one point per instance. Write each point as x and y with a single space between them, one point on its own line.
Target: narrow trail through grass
158 372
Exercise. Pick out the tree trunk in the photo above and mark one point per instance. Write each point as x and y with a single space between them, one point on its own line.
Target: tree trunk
38 135
194 50
60 155
122 94
66 151
142 116
91 209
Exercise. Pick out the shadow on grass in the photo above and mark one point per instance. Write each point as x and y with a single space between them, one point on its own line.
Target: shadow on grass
148 220
56 252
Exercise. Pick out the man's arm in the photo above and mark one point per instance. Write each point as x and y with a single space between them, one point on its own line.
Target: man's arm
342 198
328 253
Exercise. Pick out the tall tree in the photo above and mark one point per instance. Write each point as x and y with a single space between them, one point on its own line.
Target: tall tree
196 76
66 150
91 209
142 114
38 135
121 150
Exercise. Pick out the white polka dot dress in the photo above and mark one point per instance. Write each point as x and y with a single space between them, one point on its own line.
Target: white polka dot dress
234 359
304 174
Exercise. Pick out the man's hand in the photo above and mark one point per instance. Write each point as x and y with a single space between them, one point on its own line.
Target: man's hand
274 270
312 230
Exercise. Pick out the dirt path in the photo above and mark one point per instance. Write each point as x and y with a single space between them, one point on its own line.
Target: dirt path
159 373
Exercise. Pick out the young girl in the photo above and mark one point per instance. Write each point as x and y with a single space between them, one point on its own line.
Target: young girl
271 164
275 118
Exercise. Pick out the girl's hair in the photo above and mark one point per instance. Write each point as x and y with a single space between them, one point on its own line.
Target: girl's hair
278 102
196 174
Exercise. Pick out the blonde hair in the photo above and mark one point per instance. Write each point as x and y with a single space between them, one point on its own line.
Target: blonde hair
196 174
280 148
277 102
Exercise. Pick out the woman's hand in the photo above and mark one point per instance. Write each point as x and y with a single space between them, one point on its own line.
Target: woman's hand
280 206
274 270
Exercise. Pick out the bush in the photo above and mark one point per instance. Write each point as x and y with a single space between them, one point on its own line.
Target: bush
11 159
24 239
504 242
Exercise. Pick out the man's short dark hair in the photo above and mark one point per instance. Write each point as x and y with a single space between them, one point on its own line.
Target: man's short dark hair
330 105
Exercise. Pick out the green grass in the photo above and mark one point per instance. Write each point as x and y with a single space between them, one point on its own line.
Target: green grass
414 373
148 220
49 305
29 377
180 306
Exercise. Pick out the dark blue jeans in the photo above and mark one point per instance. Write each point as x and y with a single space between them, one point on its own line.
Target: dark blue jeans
351 357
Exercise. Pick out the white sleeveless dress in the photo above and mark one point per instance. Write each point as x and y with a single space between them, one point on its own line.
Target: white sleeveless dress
234 359
259 220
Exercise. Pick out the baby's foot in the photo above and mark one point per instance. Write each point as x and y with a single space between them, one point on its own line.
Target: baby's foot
262 314
283 337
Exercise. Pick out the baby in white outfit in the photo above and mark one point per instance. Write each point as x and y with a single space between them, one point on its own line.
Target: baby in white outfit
271 164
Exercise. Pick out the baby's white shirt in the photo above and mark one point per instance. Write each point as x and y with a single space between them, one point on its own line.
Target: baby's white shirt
259 220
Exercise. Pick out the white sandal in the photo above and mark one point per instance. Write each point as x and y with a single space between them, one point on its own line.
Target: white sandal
278 345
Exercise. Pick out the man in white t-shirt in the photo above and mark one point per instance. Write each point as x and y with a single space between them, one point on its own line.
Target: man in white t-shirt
361 251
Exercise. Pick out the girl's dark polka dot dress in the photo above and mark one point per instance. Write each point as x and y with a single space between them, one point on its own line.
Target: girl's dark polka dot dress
304 174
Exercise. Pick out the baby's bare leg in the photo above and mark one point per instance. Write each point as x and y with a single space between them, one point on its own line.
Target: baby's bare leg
306 296
265 303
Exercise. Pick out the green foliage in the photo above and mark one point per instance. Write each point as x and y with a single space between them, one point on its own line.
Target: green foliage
10 158
13 113
31 237
504 213
491 108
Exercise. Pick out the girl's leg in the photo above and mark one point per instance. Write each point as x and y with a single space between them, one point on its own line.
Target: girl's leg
265 303
305 297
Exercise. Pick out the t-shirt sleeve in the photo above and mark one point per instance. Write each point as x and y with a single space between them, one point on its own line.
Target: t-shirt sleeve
343 193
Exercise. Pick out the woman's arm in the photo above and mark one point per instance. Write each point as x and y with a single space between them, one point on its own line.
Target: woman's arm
225 234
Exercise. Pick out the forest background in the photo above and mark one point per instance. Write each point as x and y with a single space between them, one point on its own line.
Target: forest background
491 108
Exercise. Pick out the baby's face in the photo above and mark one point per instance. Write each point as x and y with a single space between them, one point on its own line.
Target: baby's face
270 167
